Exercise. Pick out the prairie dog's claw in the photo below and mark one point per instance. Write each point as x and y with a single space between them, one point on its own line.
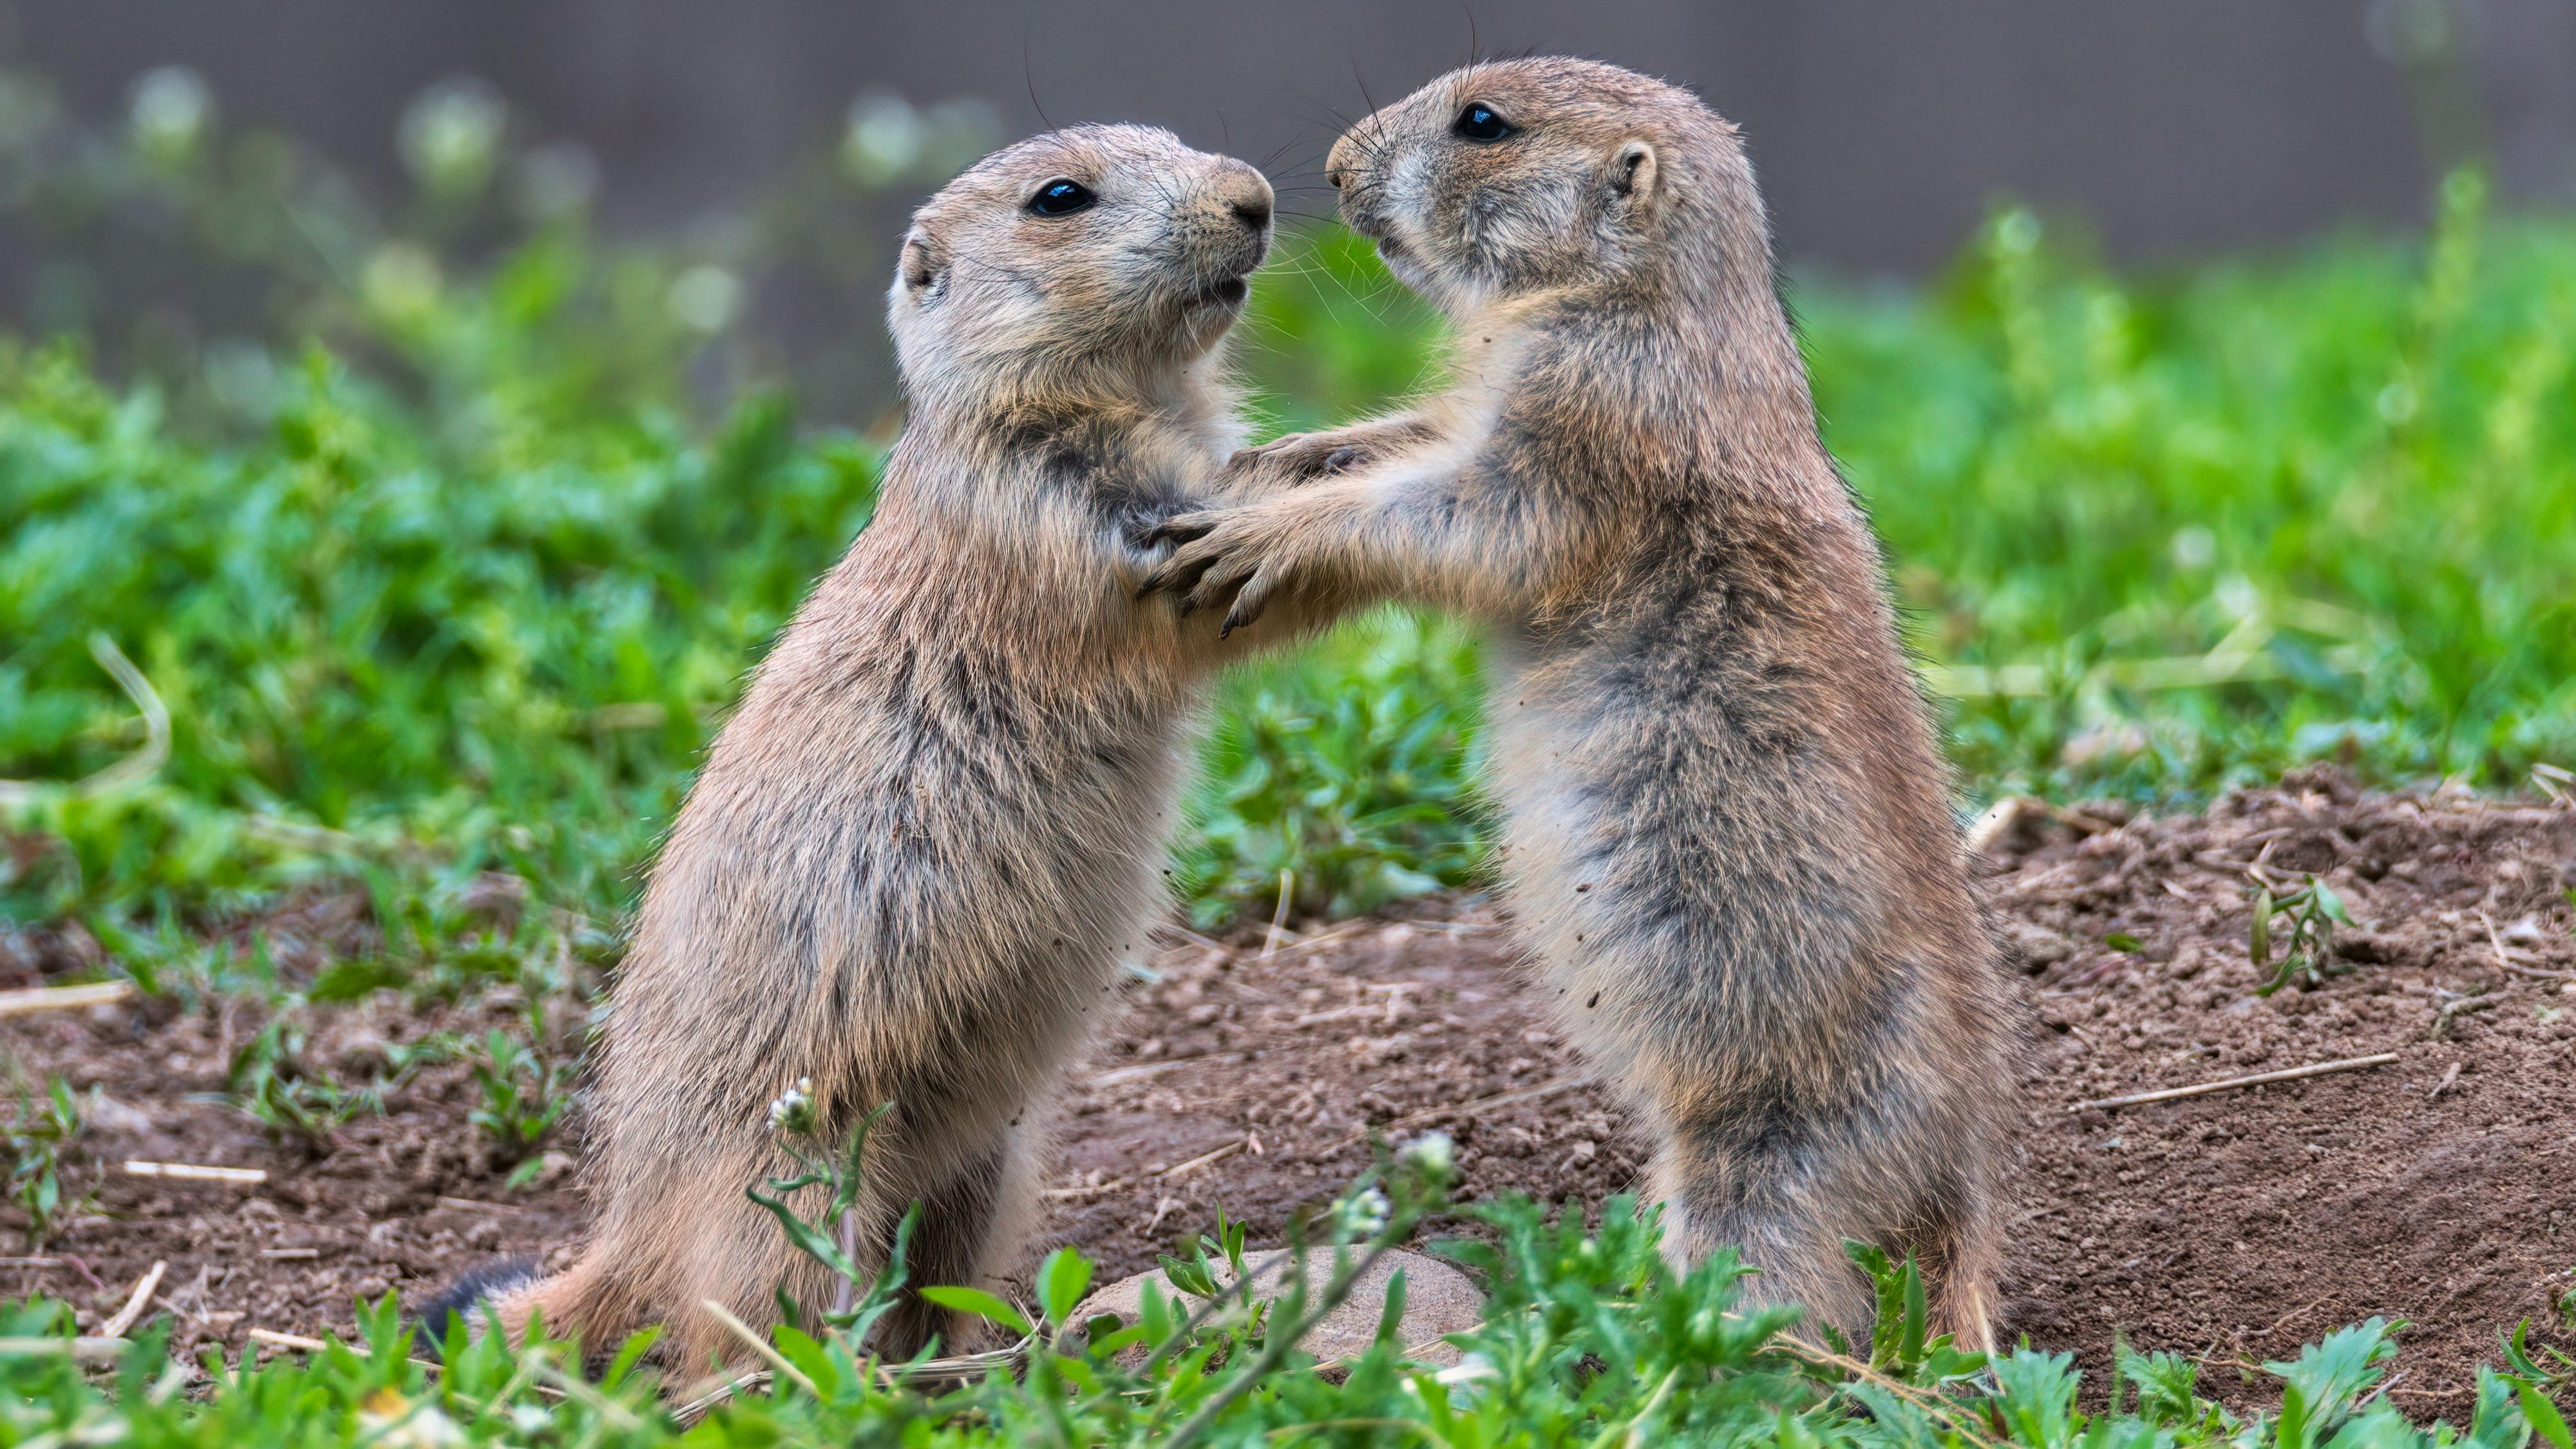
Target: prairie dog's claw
1179 528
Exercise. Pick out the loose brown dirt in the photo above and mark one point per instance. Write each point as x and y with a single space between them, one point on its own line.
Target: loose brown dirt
2440 1189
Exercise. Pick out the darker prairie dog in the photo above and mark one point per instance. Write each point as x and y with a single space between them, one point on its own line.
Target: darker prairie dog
1728 831
923 842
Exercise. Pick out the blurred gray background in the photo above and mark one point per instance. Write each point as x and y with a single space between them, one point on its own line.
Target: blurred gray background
1883 130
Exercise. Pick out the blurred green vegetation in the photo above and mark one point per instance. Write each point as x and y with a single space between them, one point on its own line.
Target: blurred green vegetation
459 576
2178 533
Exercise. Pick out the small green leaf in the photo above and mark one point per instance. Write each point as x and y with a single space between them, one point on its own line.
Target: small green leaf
1062 1278
2292 1431
2123 941
1156 1315
2545 1419
2261 940
1077 1373
802 1233
1193 1277
629 1354
351 979
799 1348
980 1303
1918 1316
1391 1318
2330 903
1793 1432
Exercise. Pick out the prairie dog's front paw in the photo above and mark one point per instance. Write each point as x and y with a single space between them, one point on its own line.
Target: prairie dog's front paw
1240 552
1294 459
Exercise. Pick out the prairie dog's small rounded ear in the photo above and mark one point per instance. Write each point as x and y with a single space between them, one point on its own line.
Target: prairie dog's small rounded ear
921 265
1632 172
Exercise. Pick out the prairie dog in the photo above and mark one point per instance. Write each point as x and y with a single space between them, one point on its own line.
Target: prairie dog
1728 834
923 842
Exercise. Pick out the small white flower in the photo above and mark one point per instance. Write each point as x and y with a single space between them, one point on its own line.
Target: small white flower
1363 1213
173 109
451 136
1432 1153
794 1110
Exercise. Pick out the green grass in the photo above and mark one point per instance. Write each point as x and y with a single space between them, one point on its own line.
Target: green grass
2205 528
1588 1338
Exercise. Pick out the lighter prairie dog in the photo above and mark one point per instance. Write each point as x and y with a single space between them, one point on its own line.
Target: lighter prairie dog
935 825
1728 832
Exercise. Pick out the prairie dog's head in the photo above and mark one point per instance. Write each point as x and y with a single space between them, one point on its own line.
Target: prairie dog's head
1522 175
1095 256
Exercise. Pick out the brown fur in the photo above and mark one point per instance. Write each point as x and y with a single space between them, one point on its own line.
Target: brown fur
932 830
1729 834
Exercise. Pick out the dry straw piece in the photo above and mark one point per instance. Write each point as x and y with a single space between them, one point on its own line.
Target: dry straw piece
125 1317
244 1176
63 998
2349 1064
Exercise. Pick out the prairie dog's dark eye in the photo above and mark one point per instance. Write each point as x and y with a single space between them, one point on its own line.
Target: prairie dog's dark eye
1479 123
1061 197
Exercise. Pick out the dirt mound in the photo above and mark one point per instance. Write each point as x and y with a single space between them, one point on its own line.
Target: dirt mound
2440 1189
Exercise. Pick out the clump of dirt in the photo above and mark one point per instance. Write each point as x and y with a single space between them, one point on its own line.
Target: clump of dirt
1248 1074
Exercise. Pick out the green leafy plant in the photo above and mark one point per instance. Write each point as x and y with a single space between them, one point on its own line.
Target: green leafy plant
1901 1341
273 1078
524 1095
830 1237
42 1129
2313 912
2543 1376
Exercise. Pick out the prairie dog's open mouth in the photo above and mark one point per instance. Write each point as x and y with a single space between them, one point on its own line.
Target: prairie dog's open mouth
1228 293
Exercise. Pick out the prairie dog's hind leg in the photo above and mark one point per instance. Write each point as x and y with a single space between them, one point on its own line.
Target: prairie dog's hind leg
1960 1263
1715 1198
972 1225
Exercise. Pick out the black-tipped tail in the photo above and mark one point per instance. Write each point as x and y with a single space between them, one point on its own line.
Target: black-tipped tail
458 1300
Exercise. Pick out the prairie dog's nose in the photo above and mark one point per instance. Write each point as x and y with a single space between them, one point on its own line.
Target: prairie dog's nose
1337 162
1246 194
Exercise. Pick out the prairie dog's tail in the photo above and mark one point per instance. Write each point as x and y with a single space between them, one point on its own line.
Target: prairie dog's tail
460 1301
579 1302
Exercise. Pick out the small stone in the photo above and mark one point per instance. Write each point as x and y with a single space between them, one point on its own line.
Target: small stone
107 1114
1438 1300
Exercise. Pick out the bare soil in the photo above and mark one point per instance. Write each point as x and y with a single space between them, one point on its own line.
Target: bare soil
2440 1189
